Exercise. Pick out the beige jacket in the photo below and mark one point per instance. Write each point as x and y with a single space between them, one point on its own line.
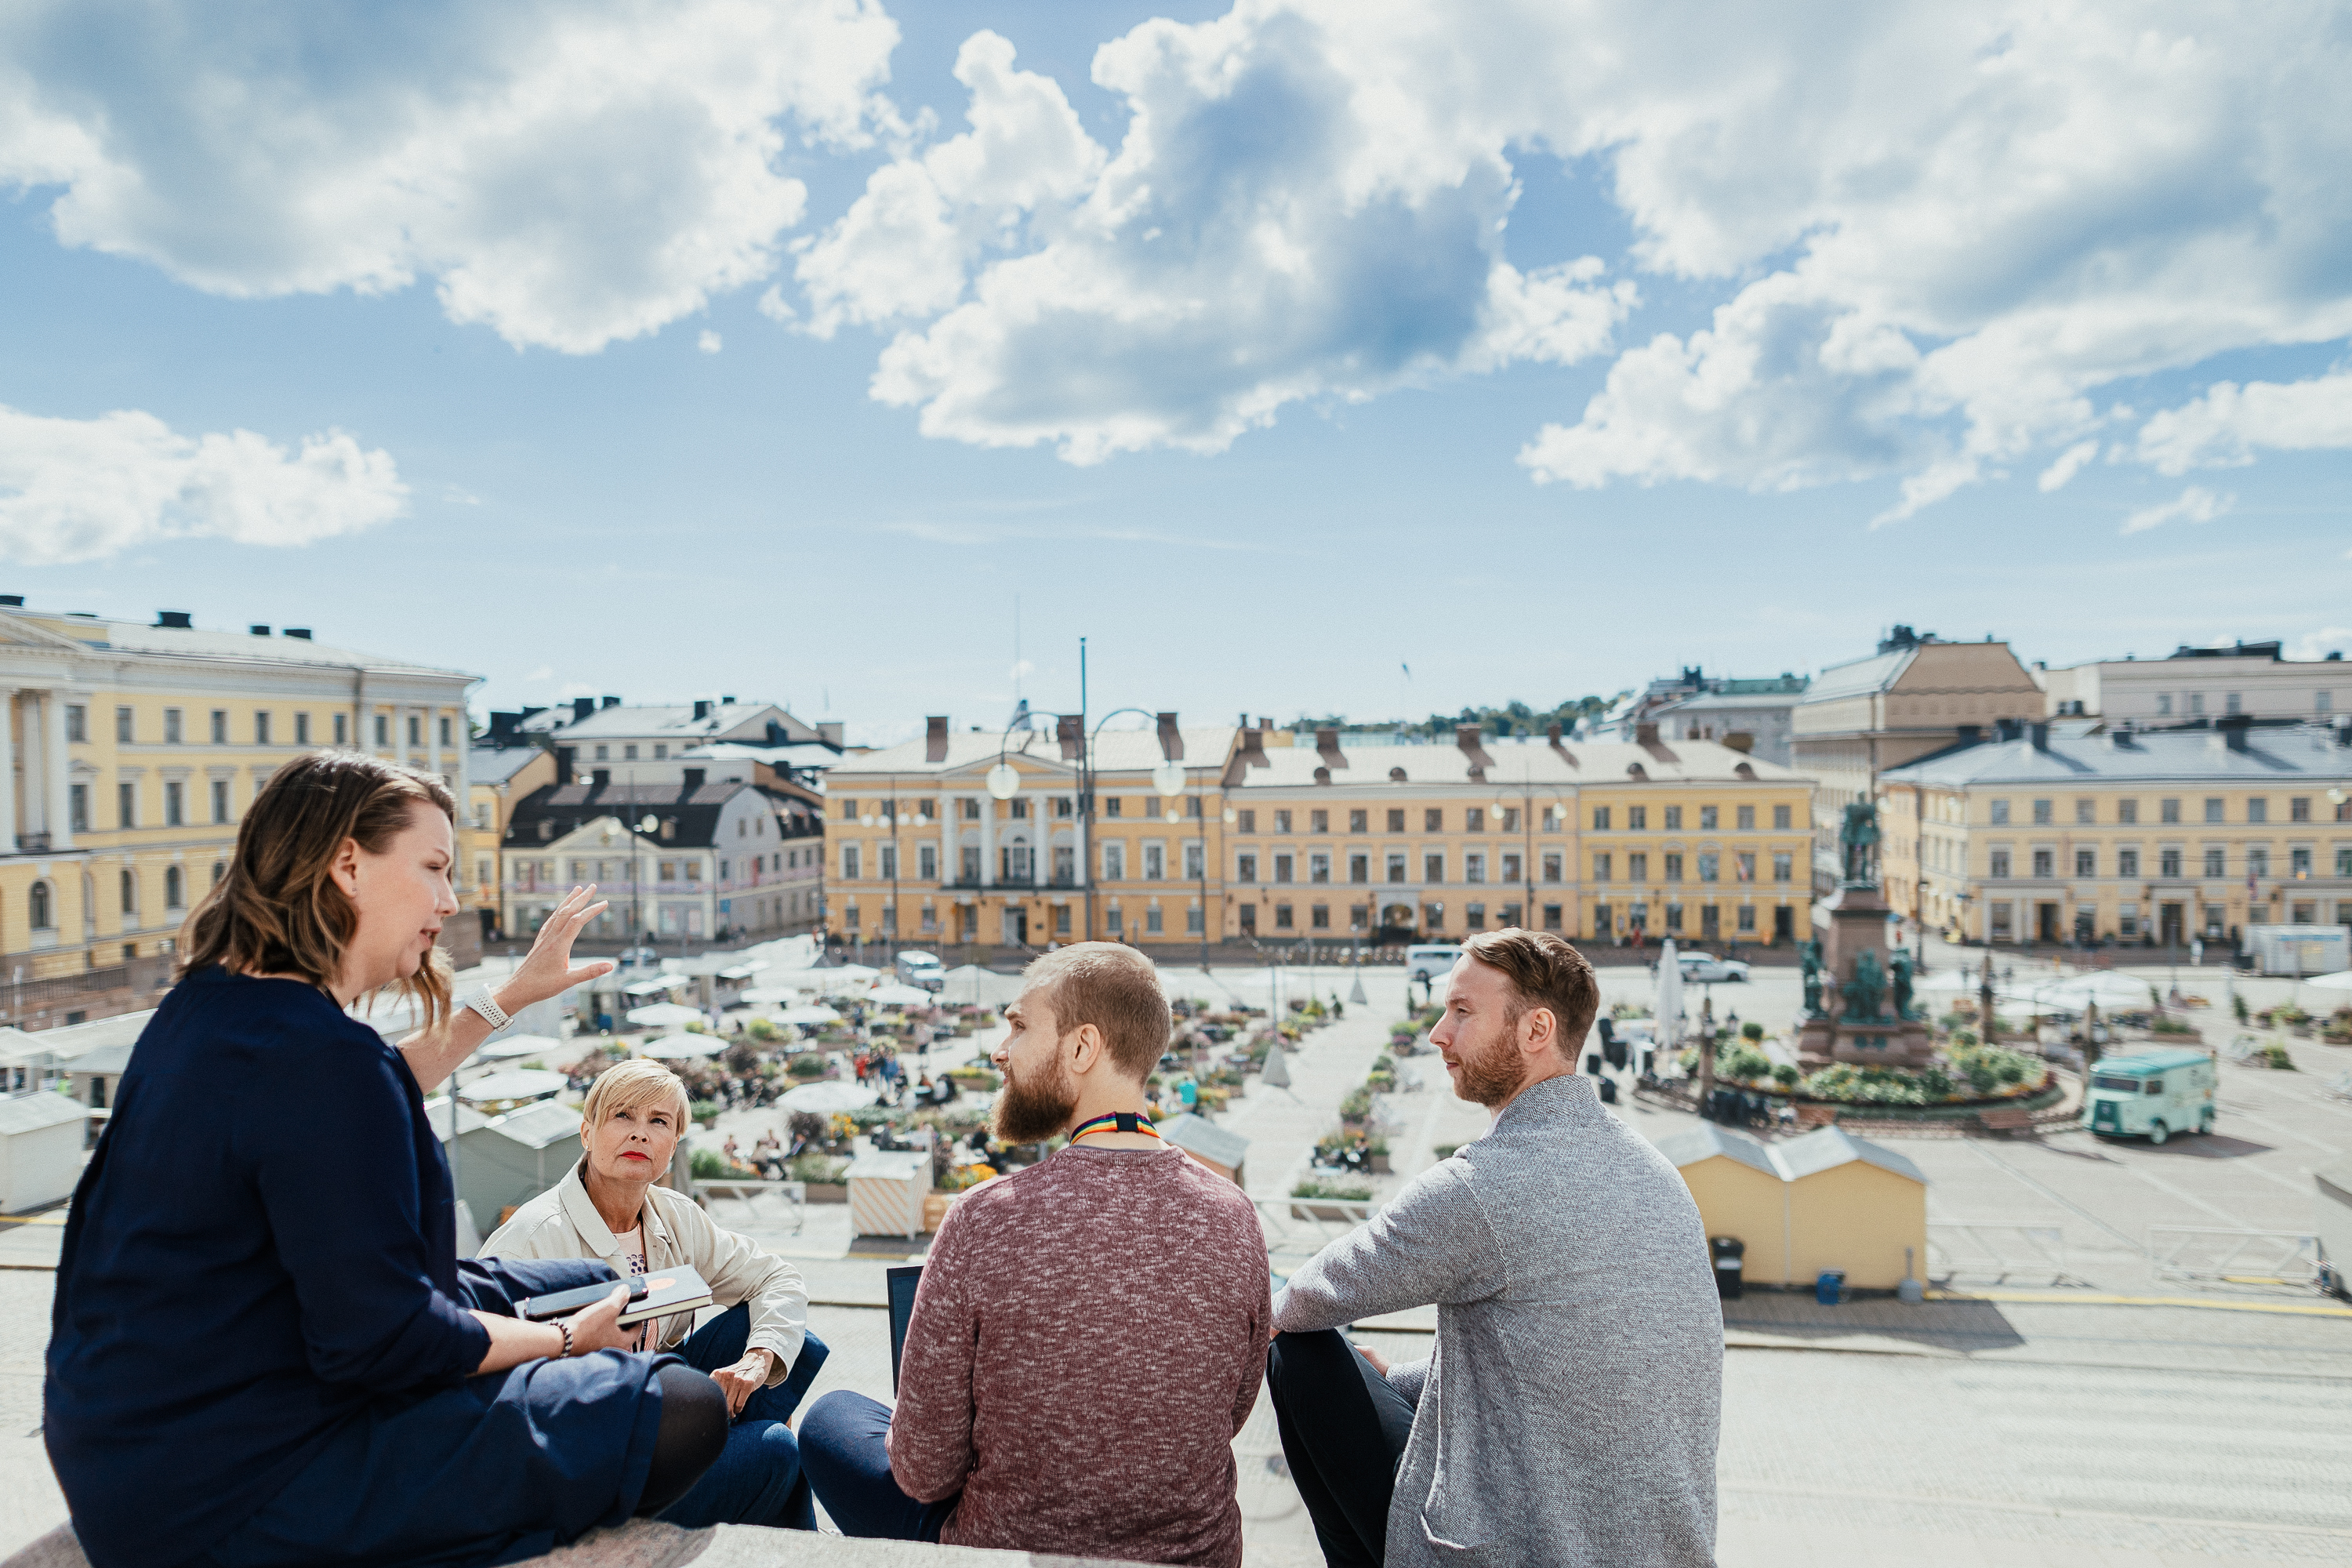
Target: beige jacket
562 1223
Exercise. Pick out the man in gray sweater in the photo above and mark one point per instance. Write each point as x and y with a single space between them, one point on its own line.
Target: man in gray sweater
1569 1413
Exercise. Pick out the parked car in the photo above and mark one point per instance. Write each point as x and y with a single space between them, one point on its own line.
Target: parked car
922 969
1706 969
1431 962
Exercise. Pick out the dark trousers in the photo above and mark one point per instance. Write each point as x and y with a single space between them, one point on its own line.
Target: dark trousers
1343 1432
845 1446
757 1479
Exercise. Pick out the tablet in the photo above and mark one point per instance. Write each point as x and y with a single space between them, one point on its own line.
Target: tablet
901 1282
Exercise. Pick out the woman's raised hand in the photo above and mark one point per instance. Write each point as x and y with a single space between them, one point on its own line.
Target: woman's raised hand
547 969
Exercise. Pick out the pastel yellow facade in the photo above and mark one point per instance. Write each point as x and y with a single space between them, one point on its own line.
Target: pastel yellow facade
1273 842
2062 834
132 751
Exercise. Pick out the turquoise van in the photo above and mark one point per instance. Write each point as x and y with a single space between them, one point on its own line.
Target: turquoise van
2152 1093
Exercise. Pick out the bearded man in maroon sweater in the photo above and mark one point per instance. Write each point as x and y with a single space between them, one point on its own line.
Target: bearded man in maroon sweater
1090 1333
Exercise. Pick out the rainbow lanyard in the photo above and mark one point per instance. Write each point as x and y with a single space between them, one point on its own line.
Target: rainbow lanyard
1115 1121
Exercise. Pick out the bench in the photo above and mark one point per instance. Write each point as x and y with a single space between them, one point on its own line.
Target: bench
646 1543
2006 1121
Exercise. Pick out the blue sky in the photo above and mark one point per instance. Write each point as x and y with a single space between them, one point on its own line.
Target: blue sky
776 350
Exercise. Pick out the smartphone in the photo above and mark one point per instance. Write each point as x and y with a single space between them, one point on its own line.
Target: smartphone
564 1303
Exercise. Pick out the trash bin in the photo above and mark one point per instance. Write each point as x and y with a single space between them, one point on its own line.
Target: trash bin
1728 1251
1829 1289
1608 1091
1592 1063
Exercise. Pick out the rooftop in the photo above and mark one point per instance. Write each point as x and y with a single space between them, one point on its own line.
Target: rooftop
2087 751
264 647
1115 751
1515 764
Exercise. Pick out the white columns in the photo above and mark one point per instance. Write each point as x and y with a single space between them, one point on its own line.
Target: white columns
1041 837
988 841
7 771
59 768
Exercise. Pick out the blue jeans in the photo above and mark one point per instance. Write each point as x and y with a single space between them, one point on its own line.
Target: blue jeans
846 1446
757 1479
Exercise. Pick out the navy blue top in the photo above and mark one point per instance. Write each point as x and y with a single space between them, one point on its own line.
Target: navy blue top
263 1244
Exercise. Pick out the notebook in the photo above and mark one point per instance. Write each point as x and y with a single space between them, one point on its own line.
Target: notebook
650 1296
901 1282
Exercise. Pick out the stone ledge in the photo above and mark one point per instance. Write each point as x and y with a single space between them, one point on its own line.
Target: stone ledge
645 1543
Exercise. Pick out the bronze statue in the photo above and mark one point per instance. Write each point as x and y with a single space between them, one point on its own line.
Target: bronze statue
1859 839
1900 963
1810 953
1866 991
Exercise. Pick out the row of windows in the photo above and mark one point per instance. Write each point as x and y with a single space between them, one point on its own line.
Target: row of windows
1062 807
2193 703
41 903
126 805
2169 863
2216 809
1708 864
531 874
263 730
1710 819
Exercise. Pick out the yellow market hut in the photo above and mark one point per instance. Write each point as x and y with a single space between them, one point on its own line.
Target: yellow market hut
1828 1200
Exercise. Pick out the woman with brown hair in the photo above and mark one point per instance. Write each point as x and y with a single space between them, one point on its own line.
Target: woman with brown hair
264 1348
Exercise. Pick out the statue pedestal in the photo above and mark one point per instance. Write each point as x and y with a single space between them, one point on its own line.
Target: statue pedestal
1857 926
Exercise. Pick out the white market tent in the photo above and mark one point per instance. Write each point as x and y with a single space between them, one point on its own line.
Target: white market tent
664 1015
900 996
972 986
40 1150
514 1084
827 1098
815 1016
772 995
681 1047
515 1048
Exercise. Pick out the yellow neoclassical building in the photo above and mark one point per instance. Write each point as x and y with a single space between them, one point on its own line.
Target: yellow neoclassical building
1248 833
132 751
2086 830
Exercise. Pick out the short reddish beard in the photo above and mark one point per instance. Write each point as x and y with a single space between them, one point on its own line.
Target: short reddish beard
1031 1112
1495 1070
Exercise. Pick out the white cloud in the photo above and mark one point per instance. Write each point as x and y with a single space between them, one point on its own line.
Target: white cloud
83 490
1270 229
568 172
2070 463
2322 642
1934 241
2195 504
2230 422
709 342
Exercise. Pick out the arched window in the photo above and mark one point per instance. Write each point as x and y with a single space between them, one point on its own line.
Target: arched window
38 905
129 894
220 869
174 896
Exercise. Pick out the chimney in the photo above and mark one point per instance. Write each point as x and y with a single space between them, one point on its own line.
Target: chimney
833 733
1070 729
176 620
302 633
2233 728
1254 749
612 703
258 630
1171 739
1645 734
935 737
1327 747
564 755
726 703
701 709
694 777
2008 728
1970 734
581 707
1466 736
601 778
2040 735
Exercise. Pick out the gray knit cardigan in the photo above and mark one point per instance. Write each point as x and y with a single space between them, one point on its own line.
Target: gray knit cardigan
1569 1413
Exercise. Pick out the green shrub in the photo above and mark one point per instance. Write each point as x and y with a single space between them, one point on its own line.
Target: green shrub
2238 1002
2166 1024
705 1111
2274 1055
810 1066
818 1170
760 1028
1743 1063
1784 1075
1357 1106
1333 1192
1751 1031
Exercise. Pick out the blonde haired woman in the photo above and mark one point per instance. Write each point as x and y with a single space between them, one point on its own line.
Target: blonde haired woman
759 1352
264 1348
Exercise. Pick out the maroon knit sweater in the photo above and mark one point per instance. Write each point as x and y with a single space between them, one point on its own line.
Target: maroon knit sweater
1088 1339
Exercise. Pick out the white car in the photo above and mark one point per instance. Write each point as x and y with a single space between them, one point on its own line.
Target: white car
1706 969
1431 963
921 969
